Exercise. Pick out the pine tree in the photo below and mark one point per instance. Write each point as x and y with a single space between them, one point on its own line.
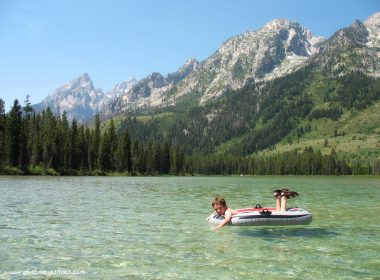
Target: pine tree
61 127
27 108
376 167
151 158
142 159
86 149
135 155
105 159
67 150
82 148
165 158
25 155
112 142
66 136
94 145
34 140
14 128
48 136
178 160
123 153
127 150
25 148
2 133
75 152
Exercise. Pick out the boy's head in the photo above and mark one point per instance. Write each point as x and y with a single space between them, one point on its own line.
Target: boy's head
219 204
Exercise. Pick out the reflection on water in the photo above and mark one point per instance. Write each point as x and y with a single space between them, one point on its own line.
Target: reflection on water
155 228
287 232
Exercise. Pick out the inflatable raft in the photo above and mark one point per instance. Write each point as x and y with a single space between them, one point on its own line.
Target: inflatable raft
259 216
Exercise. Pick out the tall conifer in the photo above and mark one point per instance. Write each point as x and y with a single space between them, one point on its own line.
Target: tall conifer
14 128
2 133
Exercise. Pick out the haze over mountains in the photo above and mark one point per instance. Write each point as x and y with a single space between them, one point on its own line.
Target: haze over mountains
279 48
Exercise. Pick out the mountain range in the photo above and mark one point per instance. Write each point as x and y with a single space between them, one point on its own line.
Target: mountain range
262 89
277 49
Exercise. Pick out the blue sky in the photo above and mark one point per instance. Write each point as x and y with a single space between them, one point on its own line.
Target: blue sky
44 44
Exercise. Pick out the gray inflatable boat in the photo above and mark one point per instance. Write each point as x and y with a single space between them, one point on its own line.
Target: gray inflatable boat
265 217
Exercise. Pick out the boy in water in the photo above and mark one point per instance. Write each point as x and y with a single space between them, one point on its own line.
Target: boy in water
220 206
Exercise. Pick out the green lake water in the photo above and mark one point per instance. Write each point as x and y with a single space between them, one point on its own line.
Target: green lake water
155 228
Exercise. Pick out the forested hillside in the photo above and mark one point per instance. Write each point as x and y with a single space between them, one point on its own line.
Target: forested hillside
287 113
44 144
37 144
229 136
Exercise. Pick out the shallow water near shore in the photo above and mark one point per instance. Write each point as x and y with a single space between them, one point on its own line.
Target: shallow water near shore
155 228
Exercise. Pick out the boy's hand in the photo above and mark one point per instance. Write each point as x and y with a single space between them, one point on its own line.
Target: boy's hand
215 229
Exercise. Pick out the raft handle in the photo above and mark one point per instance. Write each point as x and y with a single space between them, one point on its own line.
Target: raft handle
265 212
258 206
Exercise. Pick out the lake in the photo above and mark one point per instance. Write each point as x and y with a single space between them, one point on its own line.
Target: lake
155 228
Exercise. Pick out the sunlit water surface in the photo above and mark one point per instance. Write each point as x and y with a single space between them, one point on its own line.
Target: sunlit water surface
155 228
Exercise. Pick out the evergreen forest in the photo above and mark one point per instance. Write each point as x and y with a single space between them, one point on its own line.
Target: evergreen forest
44 144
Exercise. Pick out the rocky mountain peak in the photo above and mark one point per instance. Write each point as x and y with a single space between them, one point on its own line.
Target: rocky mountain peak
150 90
122 88
354 35
130 80
78 98
358 32
79 85
373 21
190 66
157 80
191 62
278 48
352 49
372 24
277 24
85 77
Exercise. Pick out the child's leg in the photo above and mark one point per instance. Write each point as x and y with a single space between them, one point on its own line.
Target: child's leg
278 204
277 196
283 202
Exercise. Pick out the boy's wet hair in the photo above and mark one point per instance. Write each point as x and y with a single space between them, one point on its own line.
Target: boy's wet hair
219 200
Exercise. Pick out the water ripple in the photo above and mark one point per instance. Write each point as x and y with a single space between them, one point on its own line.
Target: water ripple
154 228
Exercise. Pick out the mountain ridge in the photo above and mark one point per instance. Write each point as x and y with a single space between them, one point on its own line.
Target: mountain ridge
78 98
277 49
326 99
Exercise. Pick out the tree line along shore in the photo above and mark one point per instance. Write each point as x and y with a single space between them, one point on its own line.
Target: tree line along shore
43 144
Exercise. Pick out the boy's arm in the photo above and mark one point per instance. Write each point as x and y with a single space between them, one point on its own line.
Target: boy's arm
227 219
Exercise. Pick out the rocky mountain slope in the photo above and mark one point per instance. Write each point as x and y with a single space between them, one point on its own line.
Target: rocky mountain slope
150 91
279 48
324 99
120 89
354 48
80 100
